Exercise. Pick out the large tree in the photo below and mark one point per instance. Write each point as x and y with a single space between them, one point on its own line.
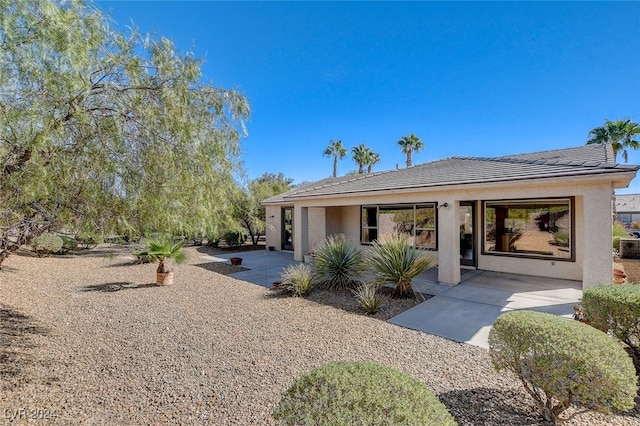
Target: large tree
103 132
409 145
248 211
337 151
621 134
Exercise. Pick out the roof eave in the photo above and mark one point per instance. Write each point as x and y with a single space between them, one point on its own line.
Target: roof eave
623 177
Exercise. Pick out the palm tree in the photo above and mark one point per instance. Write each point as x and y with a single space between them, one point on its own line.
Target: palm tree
373 159
337 151
161 248
361 155
409 145
620 134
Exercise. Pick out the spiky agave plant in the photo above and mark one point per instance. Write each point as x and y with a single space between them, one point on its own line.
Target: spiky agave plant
338 263
396 262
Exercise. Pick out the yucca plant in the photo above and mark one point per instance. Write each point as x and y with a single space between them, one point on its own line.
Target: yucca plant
396 262
296 279
369 297
161 248
338 263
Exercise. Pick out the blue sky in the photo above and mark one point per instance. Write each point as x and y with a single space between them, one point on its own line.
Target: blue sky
477 79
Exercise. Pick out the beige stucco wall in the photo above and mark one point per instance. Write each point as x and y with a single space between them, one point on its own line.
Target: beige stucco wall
592 225
273 231
317 226
598 261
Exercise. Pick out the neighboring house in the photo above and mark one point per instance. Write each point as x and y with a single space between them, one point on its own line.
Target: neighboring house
628 209
543 214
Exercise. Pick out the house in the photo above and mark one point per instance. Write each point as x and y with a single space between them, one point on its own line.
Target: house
542 214
628 209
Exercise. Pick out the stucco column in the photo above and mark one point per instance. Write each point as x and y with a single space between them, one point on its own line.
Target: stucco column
317 226
300 232
598 234
273 221
448 242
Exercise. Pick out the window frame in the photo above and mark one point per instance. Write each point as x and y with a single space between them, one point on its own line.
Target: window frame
570 201
403 206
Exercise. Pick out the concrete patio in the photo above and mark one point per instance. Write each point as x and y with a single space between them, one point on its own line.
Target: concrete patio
263 266
463 313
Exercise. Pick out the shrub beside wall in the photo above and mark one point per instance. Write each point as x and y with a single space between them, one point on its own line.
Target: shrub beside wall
562 362
615 308
360 393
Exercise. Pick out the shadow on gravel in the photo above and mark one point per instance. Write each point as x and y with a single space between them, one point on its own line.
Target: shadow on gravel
111 287
345 301
222 268
132 262
490 406
16 331
493 406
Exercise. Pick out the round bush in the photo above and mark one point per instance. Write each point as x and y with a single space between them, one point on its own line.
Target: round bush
564 359
234 239
615 308
47 244
360 393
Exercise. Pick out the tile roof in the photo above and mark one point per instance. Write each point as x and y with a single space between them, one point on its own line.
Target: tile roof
583 160
628 203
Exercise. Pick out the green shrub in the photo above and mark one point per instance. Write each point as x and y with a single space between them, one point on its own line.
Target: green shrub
234 239
338 263
213 241
47 244
296 279
369 297
87 240
360 393
561 239
615 309
616 243
619 231
562 362
68 243
396 262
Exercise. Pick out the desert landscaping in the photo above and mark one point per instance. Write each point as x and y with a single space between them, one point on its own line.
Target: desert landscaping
90 339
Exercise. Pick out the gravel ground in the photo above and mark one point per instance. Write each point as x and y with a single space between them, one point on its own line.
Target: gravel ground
632 268
89 340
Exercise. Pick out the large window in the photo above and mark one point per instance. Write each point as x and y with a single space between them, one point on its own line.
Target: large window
533 228
416 221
